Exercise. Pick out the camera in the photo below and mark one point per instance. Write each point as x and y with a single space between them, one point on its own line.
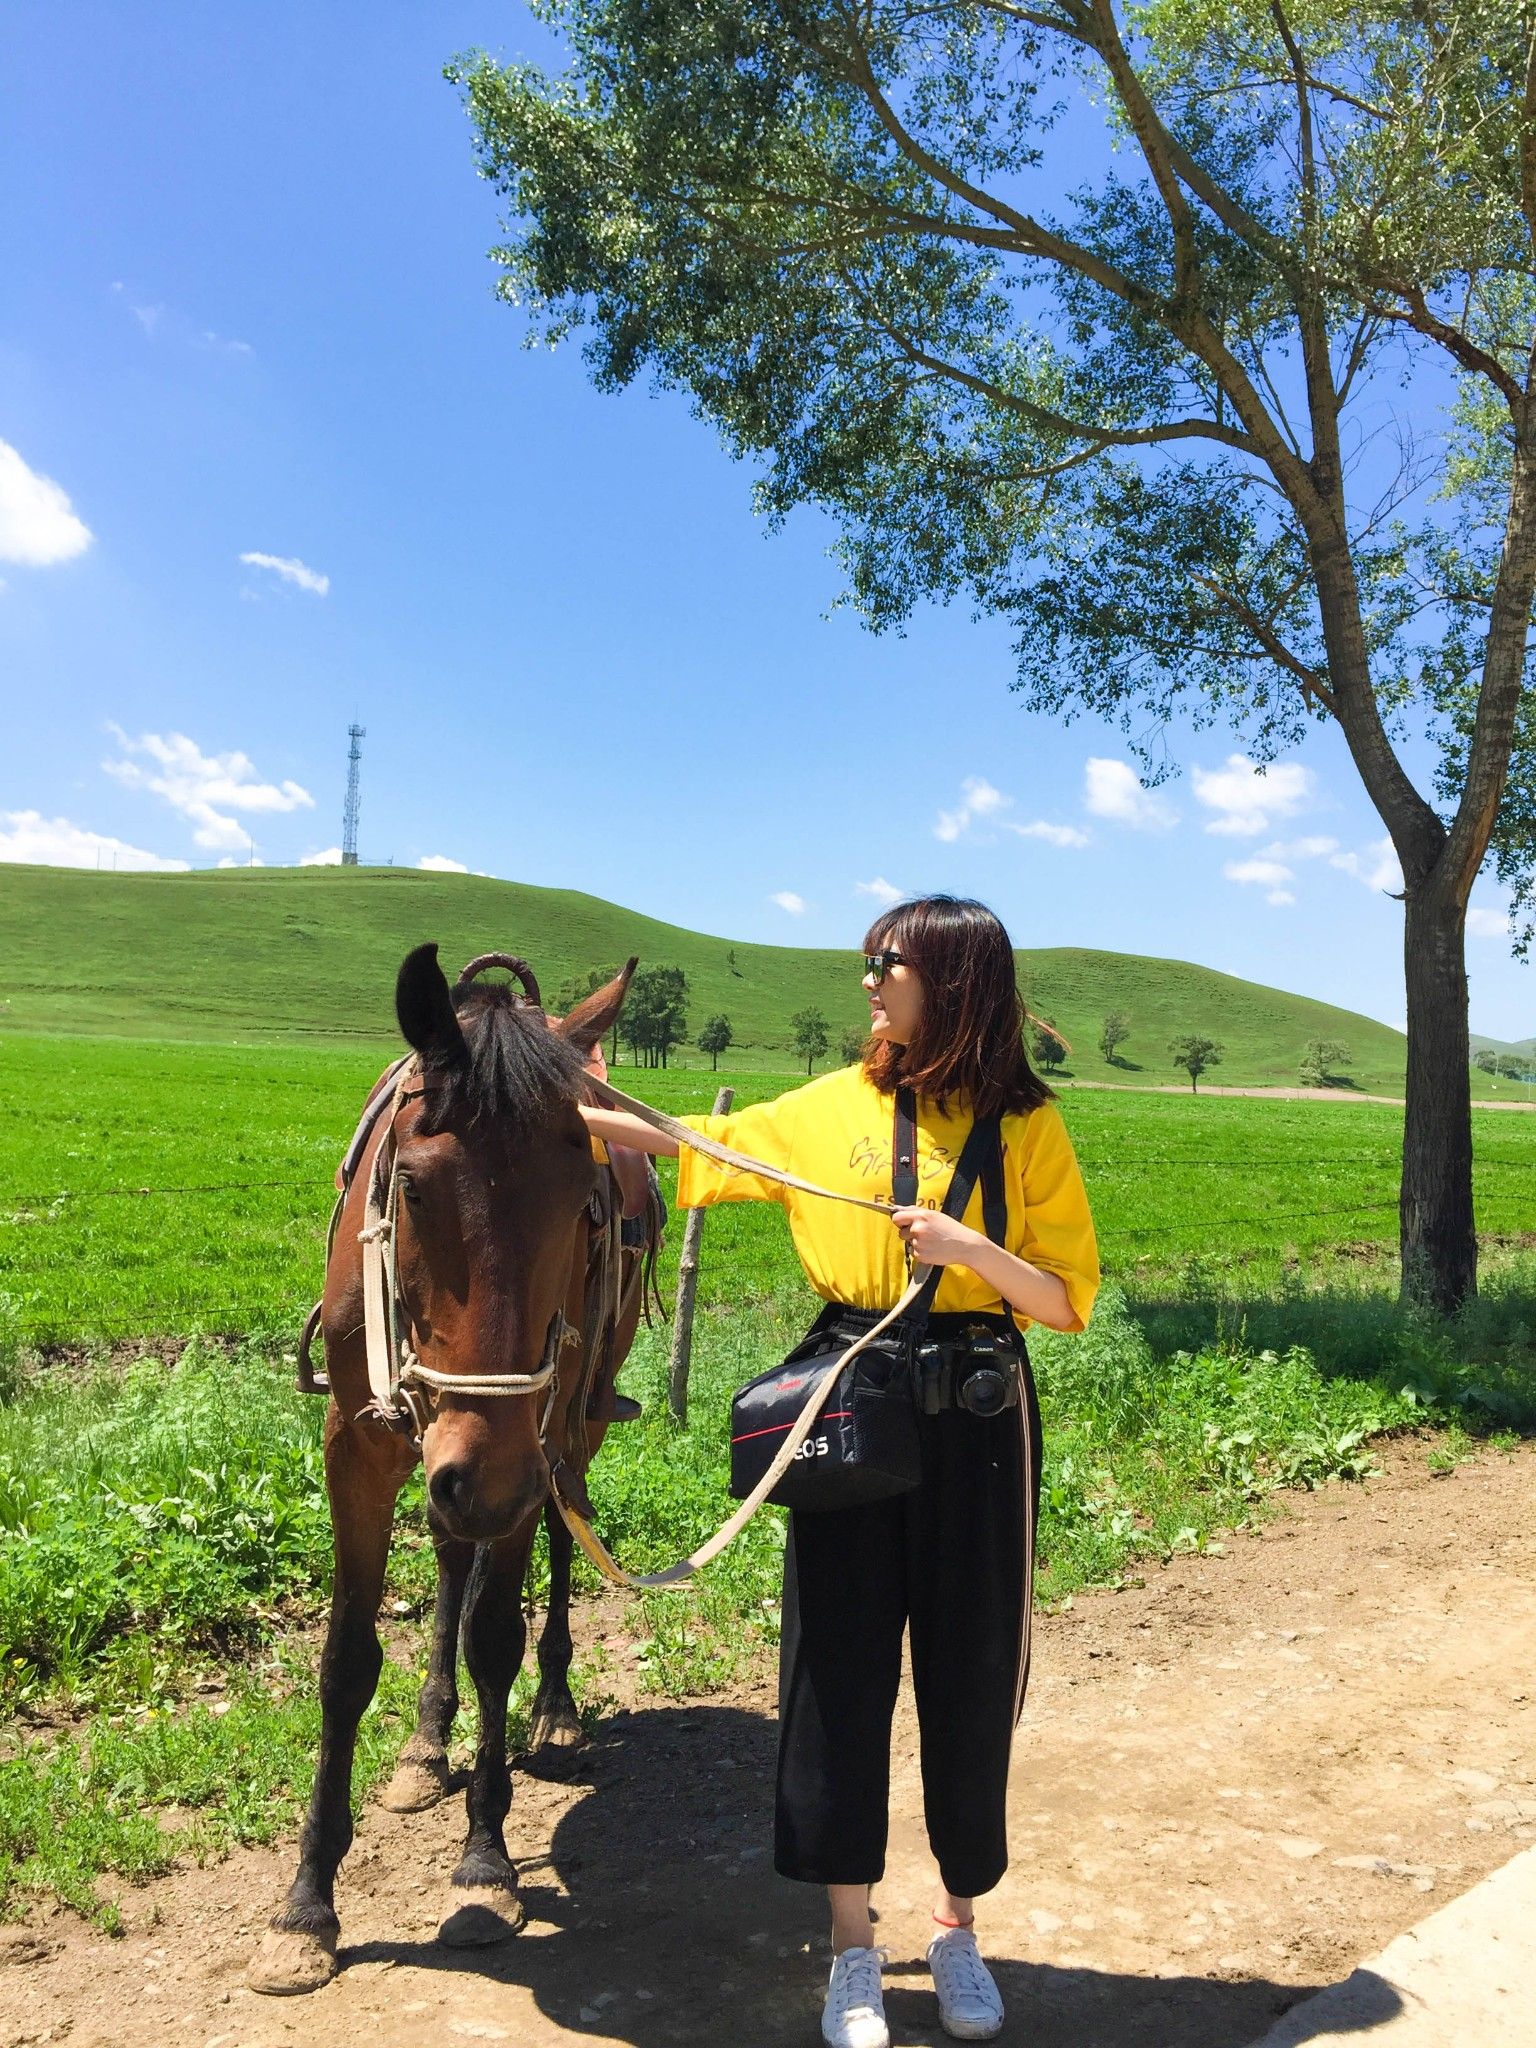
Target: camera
976 1372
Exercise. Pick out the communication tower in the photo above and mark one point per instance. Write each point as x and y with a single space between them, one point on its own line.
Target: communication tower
356 734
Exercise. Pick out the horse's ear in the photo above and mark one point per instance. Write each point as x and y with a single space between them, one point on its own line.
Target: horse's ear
424 1006
593 1016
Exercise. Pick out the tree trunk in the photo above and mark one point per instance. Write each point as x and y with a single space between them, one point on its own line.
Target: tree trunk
1438 1232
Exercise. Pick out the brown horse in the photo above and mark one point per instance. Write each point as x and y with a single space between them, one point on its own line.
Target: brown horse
500 1218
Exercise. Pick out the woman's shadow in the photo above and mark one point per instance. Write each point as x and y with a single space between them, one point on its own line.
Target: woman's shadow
657 1919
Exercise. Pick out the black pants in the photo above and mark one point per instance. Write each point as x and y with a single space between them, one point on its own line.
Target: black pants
952 1561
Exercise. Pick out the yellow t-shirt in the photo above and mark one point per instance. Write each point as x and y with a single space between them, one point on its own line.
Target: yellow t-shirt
836 1131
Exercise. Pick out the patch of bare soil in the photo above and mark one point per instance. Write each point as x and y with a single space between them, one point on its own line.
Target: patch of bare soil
1229 1785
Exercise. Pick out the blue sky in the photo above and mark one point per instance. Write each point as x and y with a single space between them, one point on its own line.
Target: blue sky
247 313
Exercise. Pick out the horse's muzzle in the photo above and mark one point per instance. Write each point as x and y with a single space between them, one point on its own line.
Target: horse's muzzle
461 1507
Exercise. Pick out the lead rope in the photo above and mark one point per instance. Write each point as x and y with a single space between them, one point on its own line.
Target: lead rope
574 1517
593 1546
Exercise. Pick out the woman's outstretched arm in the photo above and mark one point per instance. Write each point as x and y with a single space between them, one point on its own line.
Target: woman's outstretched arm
622 1127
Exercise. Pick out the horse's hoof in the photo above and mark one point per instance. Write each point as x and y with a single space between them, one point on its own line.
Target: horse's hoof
416 1786
291 1961
482 1915
556 1728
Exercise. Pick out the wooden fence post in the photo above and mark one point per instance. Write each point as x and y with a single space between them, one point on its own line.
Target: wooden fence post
687 1285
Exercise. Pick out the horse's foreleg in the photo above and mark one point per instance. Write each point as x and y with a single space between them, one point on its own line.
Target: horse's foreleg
486 1906
299 1952
422 1776
556 1723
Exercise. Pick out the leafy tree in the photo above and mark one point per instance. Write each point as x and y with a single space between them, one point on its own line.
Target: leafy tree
809 1029
730 961
1486 1059
850 1047
714 1039
656 1013
1048 1048
1143 391
1194 1055
1321 1060
1115 1031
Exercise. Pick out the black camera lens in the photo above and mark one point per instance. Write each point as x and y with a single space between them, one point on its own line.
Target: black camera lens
984 1392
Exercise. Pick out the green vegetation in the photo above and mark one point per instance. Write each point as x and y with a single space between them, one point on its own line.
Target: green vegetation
715 1039
808 1035
1195 1054
1047 1047
1321 1061
148 1190
1113 1033
266 955
164 1552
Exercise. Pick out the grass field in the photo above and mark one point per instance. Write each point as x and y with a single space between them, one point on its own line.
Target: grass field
274 954
164 1548
148 1190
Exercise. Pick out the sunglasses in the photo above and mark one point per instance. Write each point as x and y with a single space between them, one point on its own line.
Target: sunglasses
879 965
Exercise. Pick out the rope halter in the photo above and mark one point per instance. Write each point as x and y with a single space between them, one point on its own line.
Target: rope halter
404 1393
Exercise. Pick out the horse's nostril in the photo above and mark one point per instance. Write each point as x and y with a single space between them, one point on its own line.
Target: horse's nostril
451 1489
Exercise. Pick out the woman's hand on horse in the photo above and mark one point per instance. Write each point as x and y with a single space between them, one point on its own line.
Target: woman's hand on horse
935 1239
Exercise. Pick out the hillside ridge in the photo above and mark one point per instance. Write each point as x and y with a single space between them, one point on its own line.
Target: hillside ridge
280 953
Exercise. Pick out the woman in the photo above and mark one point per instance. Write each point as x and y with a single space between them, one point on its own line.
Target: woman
952 1559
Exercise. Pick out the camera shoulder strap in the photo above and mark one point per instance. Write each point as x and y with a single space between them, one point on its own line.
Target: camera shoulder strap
981 1157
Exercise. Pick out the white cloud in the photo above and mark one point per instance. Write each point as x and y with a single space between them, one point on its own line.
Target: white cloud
1485 923
885 893
155 318
978 799
1273 872
981 800
56 843
291 570
328 857
1112 789
440 864
1314 848
37 525
228 860
1245 797
786 899
204 788
1054 835
1376 866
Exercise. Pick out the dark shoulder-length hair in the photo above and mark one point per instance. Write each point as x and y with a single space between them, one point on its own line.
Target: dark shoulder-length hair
969 1043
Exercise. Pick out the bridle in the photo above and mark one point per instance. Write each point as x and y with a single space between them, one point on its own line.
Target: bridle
403 1393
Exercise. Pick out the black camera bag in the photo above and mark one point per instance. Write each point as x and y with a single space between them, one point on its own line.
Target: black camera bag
864 1443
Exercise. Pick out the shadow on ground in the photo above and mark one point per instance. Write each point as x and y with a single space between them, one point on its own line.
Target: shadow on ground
657 1920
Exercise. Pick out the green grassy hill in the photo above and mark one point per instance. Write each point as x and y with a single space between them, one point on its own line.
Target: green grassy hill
283 953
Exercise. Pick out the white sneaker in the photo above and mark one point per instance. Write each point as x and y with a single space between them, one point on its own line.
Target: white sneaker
854 2014
970 2004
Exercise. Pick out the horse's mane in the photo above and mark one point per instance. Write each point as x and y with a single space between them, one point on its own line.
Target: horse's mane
517 1069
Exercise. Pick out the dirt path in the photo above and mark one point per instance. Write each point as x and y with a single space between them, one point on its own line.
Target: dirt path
1228 1786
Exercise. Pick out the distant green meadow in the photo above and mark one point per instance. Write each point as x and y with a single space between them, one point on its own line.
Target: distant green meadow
155 1189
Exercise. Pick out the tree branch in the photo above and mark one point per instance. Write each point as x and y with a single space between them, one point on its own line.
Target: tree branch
1312 684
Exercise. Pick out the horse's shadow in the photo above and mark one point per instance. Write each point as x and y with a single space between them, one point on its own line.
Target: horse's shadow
656 1919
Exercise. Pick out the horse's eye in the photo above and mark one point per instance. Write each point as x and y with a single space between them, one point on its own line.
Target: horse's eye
409 1189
